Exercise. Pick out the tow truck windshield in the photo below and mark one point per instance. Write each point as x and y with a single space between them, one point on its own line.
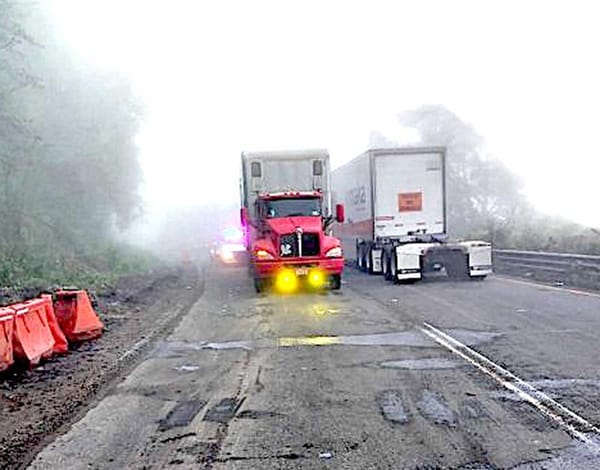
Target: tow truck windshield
293 207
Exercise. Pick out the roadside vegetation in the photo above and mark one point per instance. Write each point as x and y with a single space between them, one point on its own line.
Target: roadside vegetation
69 172
485 198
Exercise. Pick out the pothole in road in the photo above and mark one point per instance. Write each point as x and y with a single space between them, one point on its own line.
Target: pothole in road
409 338
224 411
392 407
432 406
421 364
258 414
182 414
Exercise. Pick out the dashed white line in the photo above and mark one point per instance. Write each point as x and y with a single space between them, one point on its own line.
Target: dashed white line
571 422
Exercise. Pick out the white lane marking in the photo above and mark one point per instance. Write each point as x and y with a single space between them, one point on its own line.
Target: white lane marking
558 289
570 421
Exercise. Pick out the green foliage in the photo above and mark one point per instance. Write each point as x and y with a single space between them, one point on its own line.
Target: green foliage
484 197
69 172
93 270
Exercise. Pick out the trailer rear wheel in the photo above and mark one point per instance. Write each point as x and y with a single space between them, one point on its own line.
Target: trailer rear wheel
369 261
387 266
393 269
384 266
360 261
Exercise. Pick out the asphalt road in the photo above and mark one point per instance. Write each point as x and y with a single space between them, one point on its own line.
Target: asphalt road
357 379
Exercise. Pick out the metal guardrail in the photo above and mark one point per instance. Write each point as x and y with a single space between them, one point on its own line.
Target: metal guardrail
560 268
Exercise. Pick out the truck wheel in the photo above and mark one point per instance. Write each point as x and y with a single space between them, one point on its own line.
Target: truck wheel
335 282
393 269
384 267
369 261
387 262
259 285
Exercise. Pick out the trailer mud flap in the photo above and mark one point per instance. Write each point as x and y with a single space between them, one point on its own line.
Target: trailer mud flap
377 268
408 262
480 258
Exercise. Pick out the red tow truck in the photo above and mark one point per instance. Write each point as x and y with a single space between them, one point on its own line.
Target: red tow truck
286 201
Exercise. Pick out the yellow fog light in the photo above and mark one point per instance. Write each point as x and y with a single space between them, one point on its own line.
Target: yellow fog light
316 278
286 281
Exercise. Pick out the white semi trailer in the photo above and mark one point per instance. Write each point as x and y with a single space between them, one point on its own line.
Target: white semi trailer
395 224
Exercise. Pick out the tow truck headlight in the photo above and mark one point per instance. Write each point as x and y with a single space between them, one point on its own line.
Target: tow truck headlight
263 255
334 252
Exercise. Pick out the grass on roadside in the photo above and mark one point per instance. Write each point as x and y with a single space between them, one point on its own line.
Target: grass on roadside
92 270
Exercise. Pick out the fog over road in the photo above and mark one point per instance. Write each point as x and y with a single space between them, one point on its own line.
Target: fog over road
352 379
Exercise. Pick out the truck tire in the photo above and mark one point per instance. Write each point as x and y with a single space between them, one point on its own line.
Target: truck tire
359 260
384 267
387 266
369 261
335 282
393 269
259 285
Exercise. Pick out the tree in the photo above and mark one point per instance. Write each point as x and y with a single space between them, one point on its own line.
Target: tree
484 197
69 172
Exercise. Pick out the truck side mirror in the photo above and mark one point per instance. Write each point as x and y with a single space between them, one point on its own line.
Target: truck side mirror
339 213
244 216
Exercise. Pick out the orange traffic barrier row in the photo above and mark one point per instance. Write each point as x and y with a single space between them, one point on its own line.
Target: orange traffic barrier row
76 316
60 341
32 338
38 328
7 321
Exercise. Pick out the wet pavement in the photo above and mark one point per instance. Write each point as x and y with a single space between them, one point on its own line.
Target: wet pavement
345 380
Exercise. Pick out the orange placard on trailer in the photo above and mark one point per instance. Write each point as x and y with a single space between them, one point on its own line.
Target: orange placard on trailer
410 202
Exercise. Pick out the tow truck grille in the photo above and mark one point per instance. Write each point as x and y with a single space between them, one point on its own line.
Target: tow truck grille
288 245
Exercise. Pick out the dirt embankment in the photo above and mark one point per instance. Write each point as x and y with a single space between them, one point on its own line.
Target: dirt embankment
35 404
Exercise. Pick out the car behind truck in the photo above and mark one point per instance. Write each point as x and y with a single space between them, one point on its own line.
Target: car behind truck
395 202
286 203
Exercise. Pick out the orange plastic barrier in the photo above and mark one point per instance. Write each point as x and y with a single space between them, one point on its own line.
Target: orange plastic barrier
32 338
7 321
76 316
60 341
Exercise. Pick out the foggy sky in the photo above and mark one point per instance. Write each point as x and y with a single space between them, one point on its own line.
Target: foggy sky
224 77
